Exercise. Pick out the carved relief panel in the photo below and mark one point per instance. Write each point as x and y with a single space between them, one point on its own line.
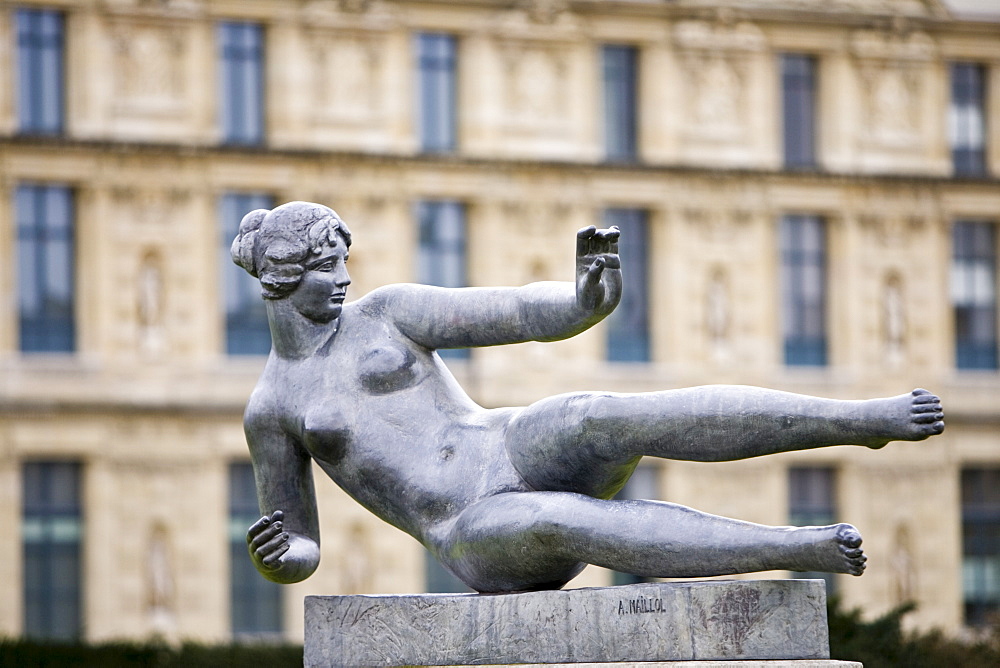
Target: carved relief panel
893 70
535 86
716 69
148 68
346 76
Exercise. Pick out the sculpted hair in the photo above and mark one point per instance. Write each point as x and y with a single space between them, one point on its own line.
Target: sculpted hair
274 245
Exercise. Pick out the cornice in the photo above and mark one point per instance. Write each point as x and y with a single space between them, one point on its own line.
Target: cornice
77 148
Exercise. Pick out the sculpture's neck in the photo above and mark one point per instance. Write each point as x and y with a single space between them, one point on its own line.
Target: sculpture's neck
293 335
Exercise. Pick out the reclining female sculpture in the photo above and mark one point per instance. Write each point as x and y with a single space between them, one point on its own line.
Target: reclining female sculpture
508 499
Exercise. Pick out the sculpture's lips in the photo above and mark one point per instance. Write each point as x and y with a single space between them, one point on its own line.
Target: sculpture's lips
338 299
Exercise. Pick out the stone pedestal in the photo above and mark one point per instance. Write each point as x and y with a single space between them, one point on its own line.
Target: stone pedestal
716 621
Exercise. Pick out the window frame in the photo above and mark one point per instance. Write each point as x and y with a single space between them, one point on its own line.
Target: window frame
799 76
620 80
805 319
242 54
436 55
975 242
52 537
968 118
40 71
981 547
42 232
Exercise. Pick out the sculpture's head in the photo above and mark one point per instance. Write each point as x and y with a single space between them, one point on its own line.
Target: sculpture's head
297 250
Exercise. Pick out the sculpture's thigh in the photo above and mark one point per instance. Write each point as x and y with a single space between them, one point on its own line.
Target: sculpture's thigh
568 443
513 542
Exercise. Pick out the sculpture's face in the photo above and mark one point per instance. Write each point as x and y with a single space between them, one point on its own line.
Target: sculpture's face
323 287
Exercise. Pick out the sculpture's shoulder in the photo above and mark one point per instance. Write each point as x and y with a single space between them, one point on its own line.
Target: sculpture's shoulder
380 302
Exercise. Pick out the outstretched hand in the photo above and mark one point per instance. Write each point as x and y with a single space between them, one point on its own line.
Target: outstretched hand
598 270
268 541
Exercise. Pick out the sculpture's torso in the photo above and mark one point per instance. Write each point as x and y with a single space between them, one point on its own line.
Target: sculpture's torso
389 423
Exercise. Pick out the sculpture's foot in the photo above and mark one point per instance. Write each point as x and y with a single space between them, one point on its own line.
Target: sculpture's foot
831 549
912 417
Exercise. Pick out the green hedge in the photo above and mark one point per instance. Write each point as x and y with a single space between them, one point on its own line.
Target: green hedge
882 643
33 654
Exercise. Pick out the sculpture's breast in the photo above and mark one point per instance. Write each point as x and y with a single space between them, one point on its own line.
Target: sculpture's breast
387 368
326 433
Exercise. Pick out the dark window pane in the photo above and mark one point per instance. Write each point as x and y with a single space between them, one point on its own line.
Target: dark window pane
255 602
812 502
967 119
981 544
241 54
803 285
973 294
620 102
45 253
441 252
51 546
628 324
437 91
798 88
40 71
247 331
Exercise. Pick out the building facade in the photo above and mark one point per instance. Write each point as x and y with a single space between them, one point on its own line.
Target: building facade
809 201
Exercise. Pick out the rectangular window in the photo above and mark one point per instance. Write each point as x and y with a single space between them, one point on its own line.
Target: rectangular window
620 102
967 119
437 63
812 501
628 324
45 257
255 603
247 332
798 109
52 527
441 252
973 294
241 54
803 285
40 71
981 544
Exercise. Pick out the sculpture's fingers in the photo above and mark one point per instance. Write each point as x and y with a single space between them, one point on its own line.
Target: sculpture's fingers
601 242
272 559
595 270
613 234
257 527
590 292
266 535
583 240
268 548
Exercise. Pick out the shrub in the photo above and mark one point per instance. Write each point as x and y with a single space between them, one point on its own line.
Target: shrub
882 643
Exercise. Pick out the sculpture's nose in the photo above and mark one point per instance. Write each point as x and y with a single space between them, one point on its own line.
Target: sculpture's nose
341 277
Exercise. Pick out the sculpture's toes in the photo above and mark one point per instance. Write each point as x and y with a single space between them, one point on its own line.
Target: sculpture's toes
849 540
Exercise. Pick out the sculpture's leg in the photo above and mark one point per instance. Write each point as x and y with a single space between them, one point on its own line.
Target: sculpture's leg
534 540
588 442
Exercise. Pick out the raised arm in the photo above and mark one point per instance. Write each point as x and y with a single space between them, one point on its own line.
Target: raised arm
284 543
547 311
